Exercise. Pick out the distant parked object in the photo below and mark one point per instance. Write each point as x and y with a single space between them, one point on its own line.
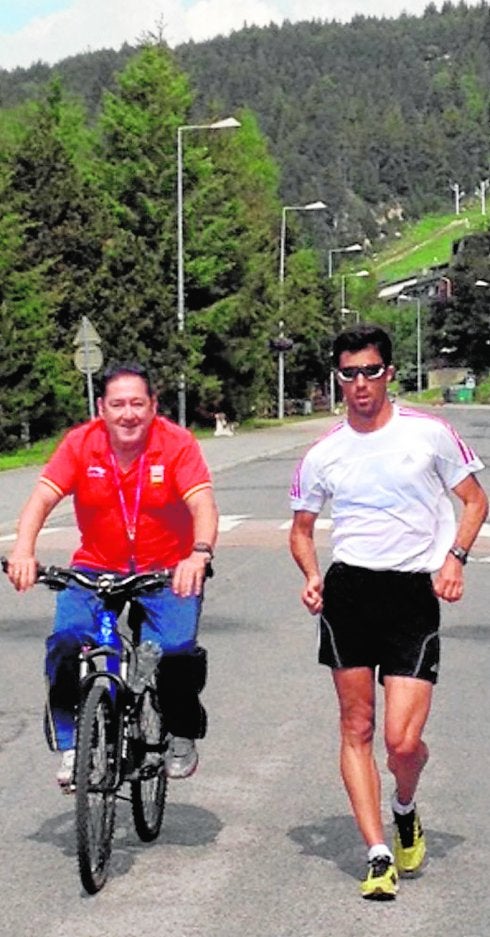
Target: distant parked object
223 426
459 393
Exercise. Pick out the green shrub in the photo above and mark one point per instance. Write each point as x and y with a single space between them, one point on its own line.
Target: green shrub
482 391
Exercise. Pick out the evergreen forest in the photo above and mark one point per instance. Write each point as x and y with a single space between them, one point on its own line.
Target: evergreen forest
380 120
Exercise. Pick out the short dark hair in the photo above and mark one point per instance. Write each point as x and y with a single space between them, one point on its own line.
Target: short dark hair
358 337
119 369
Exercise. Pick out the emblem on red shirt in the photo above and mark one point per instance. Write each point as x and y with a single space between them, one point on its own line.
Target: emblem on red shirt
156 474
96 471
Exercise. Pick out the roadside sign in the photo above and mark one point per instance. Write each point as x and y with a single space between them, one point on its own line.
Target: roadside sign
281 344
88 358
87 333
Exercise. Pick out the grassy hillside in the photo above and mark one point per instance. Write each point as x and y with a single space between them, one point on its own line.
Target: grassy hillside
426 243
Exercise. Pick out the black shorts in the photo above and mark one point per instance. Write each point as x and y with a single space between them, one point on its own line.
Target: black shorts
380 619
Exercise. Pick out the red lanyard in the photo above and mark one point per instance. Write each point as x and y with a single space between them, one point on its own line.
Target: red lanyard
130 523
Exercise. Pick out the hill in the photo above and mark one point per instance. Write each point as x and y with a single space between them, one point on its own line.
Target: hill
375 117
426 243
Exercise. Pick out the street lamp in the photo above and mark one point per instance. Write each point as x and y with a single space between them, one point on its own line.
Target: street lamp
415 299
310 206
481 191
458 195
343 308
228 123
350 249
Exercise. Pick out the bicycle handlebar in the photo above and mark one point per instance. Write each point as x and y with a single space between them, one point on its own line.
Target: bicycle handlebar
58 578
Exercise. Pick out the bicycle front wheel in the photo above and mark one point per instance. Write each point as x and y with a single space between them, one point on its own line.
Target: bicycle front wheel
149 791
95 795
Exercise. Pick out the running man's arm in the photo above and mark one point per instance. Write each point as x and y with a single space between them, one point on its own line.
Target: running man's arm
448 583
22 560
302 545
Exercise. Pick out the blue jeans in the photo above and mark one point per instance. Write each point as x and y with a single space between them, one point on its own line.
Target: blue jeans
168 620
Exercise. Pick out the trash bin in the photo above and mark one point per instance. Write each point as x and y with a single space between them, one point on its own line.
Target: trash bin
465 395
459 394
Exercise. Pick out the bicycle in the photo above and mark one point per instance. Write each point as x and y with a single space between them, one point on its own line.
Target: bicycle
120 729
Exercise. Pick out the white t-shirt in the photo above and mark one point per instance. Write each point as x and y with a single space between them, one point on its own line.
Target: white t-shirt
389 490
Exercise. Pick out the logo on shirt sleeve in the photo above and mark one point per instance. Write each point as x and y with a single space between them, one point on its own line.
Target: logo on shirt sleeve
157 473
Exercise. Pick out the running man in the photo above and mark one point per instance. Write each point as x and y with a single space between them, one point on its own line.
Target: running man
388 471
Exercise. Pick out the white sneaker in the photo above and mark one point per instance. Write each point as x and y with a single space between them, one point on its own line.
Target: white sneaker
181 757
65 774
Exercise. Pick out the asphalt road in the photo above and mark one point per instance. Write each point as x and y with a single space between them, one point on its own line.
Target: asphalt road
260 842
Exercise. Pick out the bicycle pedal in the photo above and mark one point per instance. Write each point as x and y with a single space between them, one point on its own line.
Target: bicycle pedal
151 769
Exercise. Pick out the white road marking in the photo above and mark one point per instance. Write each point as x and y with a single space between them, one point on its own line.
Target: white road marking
46 530
323 523
228 522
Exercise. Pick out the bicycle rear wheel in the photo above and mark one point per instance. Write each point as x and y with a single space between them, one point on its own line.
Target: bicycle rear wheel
95 796
149 791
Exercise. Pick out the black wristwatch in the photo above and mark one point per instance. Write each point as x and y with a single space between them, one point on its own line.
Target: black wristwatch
202 547
459 553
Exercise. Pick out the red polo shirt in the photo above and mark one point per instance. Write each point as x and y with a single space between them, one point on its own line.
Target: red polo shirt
173 468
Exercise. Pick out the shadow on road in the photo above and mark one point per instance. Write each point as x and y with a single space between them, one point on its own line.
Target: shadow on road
337 840
183 825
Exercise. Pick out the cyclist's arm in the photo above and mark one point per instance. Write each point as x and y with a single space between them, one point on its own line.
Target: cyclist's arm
302 544
189 573
22 561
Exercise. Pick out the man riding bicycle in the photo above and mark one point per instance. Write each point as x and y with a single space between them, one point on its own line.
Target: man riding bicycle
143 500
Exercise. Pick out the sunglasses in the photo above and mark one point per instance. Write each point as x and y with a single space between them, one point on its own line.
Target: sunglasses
370 371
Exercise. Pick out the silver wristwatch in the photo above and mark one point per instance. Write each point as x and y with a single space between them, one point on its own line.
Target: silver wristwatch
459 553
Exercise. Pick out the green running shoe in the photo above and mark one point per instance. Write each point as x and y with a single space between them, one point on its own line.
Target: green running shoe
408 842
381 882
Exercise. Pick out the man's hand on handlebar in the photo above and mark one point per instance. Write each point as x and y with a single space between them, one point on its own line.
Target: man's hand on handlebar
22 571
189 575
186 580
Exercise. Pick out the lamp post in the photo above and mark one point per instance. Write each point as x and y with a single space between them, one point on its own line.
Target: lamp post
310 206
481 191
343 308
350 249
458 195
332 385
228 123
280 375
415 299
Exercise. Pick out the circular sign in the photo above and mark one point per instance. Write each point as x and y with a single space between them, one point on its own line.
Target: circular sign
88 358
281 344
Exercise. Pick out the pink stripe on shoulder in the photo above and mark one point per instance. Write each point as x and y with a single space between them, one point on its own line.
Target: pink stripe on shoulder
329 432
422 414
467 452
295 490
